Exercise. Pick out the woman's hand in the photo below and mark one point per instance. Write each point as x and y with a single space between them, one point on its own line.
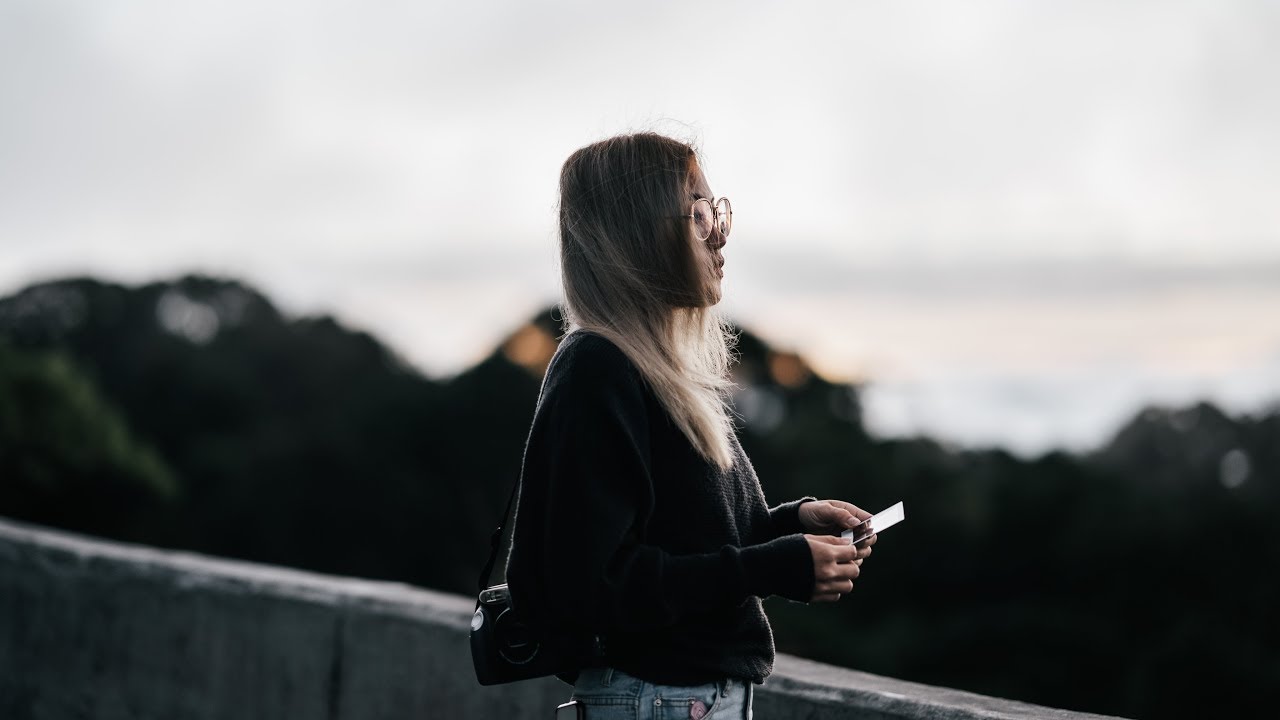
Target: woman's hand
830 517
826 518
835 564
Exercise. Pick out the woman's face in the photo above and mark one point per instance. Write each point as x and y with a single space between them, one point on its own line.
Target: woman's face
708 253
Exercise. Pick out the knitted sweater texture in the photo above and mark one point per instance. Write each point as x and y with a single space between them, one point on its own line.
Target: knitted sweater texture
622 529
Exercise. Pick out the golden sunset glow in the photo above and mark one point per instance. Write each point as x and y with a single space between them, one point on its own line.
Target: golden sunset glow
530 347
788 369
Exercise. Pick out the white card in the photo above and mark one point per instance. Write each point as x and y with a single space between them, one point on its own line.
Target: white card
876 523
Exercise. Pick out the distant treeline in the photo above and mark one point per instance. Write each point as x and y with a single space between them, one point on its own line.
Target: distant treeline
1139 580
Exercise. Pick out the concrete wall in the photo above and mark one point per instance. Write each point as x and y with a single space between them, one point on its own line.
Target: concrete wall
94 629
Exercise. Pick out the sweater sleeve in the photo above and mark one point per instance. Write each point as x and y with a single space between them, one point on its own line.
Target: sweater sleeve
598 576
785 518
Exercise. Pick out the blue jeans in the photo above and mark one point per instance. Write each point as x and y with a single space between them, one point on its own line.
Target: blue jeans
611 694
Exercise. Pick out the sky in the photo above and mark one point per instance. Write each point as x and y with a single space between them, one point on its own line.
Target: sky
1017 222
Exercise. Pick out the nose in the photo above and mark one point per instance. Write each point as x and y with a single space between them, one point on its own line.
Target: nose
717 240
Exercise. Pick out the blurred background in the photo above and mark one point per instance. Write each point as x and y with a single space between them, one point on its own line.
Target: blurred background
277 282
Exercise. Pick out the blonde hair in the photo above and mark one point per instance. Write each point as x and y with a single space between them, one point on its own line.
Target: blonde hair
632 274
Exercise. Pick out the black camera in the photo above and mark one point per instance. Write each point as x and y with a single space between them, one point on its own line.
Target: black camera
504 648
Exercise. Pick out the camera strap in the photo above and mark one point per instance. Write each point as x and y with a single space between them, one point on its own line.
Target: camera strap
496 541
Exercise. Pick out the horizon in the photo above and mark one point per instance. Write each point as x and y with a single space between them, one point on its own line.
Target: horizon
974 408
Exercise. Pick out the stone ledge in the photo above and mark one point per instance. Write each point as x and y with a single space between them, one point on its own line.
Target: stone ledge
93 628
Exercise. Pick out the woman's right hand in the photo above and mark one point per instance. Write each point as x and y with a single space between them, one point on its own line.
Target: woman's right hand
835 564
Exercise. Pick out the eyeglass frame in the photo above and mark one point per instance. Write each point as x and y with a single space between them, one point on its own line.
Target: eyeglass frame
715 214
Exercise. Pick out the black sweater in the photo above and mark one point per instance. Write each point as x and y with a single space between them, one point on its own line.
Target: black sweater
622 529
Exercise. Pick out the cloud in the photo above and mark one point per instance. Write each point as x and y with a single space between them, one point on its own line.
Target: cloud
993 126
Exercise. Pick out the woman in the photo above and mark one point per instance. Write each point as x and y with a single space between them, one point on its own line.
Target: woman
640 519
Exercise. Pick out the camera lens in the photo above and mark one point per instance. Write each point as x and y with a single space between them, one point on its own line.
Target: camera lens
515 643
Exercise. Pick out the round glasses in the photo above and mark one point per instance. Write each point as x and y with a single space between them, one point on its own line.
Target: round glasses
708 216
